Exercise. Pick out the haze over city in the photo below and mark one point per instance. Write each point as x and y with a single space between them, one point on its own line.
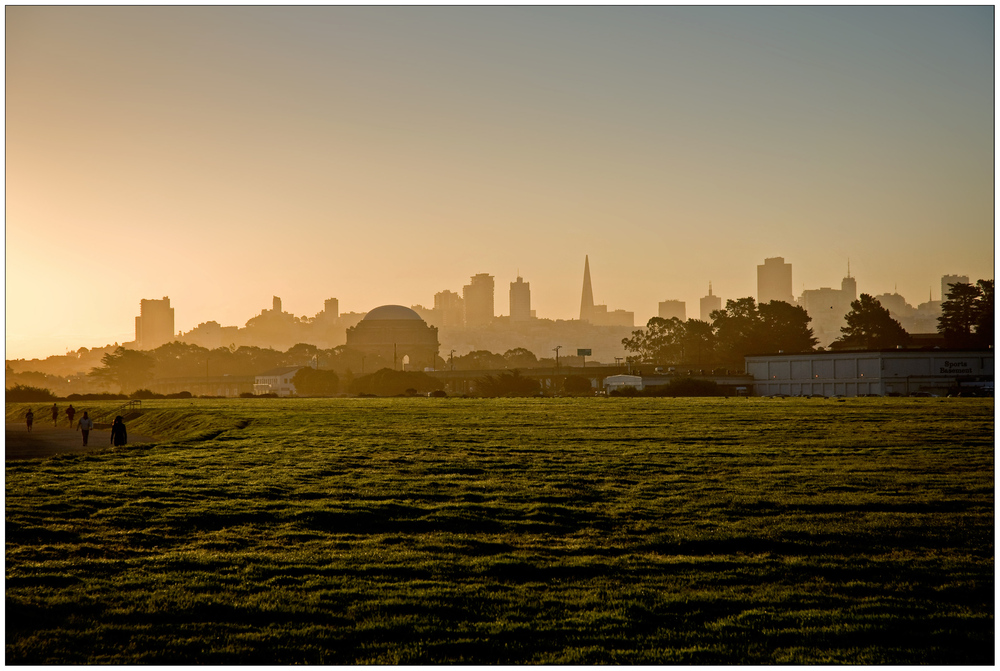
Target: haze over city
224 155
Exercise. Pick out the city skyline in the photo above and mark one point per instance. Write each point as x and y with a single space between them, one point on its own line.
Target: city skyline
155 321
223 155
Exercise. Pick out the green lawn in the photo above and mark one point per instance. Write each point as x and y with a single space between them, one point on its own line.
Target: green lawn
559 531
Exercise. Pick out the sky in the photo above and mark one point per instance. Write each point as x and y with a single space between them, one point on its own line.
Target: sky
378 155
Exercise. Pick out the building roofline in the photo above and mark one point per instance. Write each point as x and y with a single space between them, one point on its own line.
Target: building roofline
920 350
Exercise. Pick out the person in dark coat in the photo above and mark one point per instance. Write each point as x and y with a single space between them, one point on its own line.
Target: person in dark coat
118 436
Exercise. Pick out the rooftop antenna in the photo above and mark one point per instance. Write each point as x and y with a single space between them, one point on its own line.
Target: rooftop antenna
848 266
710 287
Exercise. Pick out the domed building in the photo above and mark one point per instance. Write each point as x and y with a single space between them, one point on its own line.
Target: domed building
396 334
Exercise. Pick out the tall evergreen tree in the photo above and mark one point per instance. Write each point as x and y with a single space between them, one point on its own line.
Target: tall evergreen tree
870 326
785 327
967 316
985 324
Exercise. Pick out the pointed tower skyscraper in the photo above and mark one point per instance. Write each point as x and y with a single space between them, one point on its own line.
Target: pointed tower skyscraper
587 301
709 304
849 286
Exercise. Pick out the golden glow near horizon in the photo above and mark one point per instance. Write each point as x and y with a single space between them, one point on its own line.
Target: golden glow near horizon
222 155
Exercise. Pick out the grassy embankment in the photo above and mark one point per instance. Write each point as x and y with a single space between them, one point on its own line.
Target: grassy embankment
563 531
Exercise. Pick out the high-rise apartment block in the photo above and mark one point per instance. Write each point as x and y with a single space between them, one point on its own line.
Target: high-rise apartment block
520 300
331 308
672 310
849 287
774 281
828 307
478 297
450 308
709 304
155 324
947 280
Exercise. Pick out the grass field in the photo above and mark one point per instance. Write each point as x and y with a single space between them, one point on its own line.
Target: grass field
561 531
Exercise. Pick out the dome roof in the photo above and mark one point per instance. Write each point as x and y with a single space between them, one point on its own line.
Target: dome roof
391 312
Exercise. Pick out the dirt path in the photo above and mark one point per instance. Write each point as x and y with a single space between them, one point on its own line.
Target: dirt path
46 441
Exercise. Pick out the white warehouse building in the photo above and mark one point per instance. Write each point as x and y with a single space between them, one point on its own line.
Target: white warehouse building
889 372
276 381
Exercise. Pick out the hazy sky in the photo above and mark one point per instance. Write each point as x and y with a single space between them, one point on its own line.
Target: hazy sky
220 156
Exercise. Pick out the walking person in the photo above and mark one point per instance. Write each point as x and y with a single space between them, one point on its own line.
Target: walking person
70 411
29 417
118 436
85 425
55 415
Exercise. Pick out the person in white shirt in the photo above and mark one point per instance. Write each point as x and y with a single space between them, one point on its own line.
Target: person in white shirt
85 425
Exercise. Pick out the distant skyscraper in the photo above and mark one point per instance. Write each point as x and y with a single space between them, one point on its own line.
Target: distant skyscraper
827 308
331 308
895 304
671 309
155 324
520 301
709 304
774 281
587 300
276 304
849 286
450 308
951 279
617 317
599 315
478 296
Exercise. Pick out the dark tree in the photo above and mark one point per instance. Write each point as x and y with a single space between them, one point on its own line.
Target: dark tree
870 326
785 328
480 360
301 354
967 316
388 382
985 322
698 343
520 358
22 392
311 382
507 384
737 331
252 360
659 343
128 368
744 327
578 385
178 359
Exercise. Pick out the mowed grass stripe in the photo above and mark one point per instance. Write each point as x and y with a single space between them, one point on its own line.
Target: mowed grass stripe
570 531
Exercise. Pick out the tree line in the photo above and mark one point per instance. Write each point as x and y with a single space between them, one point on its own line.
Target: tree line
742 328
745 327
